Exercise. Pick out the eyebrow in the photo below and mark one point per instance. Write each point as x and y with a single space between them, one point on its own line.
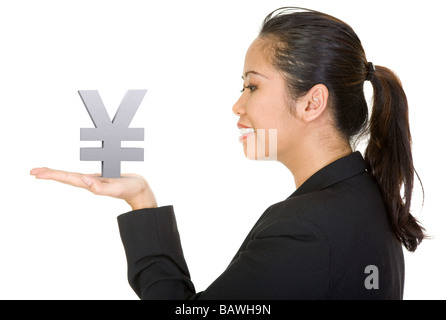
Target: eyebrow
254 72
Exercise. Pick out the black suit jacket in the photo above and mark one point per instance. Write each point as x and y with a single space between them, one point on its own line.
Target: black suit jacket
330 239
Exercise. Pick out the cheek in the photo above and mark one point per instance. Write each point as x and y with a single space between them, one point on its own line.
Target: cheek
265 118
261 107
269 116
282 134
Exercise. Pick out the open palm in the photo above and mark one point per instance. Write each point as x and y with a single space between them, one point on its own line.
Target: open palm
132 188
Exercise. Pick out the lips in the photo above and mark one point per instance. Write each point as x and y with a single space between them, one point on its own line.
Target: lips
239 125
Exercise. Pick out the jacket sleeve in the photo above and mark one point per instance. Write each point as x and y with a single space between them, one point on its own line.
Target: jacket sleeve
155 261
285 259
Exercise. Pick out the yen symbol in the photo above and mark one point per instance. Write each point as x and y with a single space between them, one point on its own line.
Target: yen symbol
111 133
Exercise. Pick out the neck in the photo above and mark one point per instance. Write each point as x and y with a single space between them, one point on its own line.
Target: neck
303 166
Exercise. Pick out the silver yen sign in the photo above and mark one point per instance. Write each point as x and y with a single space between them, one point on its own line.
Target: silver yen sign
111 133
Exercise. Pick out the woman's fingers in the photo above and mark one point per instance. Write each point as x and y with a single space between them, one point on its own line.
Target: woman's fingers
89 182
132 188
71 178
113 187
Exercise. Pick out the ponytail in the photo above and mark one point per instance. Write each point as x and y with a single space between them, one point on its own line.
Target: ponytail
389 155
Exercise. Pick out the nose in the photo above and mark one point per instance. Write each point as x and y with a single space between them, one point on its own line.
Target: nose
239 106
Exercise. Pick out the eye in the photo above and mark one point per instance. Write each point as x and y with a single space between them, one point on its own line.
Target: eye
250 88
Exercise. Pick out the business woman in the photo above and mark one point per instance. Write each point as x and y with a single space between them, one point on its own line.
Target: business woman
340 234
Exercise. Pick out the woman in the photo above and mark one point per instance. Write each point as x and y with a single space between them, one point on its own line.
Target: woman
340 234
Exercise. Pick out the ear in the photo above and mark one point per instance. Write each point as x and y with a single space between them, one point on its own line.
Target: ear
313 104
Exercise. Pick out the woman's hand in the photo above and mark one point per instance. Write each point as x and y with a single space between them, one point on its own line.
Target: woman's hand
132 188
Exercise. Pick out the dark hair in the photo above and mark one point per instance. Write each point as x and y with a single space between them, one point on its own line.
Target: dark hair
308 48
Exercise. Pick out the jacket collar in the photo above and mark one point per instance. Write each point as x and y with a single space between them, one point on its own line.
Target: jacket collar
337 171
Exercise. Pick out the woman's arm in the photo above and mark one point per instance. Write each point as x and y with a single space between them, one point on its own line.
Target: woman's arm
284 259
287 259
156 265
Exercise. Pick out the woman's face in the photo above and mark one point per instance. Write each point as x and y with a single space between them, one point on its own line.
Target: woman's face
263 107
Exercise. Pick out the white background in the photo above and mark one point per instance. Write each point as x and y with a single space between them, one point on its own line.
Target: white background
59 242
